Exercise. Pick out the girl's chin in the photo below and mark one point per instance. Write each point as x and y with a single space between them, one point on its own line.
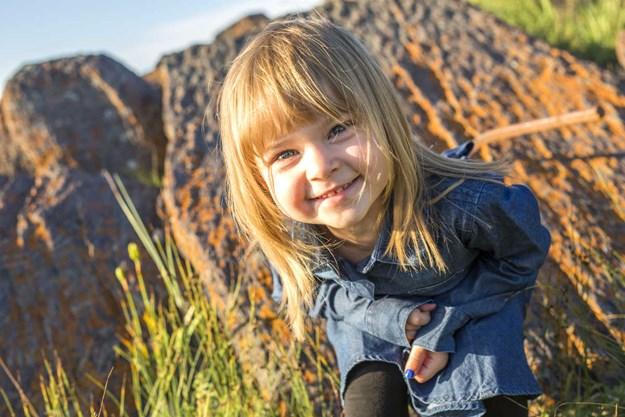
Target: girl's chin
344 223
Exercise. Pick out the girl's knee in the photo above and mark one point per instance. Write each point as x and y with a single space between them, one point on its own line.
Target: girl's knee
376 389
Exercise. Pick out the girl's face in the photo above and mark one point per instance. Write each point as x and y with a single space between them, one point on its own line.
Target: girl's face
317 172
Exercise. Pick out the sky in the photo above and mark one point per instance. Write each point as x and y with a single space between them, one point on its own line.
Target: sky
135 33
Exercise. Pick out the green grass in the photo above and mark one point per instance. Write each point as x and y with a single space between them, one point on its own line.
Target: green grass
587 28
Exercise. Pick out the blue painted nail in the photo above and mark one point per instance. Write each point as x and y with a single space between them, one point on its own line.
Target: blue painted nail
409 374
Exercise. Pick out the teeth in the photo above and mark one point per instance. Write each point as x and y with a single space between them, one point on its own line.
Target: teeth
338 190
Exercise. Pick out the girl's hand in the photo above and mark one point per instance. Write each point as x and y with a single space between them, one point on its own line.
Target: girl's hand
420 316
424 364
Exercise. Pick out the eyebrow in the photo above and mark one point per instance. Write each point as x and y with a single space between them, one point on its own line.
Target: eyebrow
277 144
280 142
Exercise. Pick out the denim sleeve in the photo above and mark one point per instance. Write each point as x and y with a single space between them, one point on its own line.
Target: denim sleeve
353 302
505 227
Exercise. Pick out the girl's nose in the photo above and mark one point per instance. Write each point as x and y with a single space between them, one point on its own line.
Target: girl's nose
320 162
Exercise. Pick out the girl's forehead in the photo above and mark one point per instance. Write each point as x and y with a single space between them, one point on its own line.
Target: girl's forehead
278 131
310 128
305 127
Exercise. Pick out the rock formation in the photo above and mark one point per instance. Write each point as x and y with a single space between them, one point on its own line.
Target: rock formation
61 231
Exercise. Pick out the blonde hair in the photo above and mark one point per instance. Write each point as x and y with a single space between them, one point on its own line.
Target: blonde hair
293 71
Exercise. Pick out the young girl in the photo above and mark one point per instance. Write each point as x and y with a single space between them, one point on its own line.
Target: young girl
420 262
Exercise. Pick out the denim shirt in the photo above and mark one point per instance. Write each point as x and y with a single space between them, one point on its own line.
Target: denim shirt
494 247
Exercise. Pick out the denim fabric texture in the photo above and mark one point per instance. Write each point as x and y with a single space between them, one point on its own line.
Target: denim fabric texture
494 244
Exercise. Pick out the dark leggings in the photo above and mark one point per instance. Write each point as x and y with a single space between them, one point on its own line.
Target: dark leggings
377 389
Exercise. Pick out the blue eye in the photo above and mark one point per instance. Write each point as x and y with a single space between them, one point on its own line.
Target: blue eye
281 155
339 128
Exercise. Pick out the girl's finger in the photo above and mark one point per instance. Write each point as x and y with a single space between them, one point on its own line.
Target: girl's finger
418 318
413 323
432 365
415 360
426 372
427 307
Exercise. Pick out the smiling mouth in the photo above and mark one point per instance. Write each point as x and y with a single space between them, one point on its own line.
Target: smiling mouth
336 190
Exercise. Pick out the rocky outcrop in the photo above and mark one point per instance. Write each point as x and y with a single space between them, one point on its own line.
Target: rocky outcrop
193 192
61 231
85 112
458 72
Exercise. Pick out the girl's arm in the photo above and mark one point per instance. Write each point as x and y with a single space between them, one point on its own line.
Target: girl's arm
353 302
385 318
504 225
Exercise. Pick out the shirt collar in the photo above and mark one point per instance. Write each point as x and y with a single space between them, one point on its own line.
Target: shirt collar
377 254
325 269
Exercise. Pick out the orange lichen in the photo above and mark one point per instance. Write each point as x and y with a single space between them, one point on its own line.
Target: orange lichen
280 329
256 293
541 149
309 376
434 125
266 313
576 343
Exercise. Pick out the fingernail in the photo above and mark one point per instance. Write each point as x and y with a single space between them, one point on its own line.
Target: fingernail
409 374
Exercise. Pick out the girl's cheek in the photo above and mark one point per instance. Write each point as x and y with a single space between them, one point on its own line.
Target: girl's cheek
286 192
295 196
356 151
357 156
